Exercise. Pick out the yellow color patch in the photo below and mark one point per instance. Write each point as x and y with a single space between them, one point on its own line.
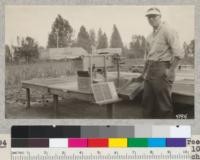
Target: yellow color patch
117 142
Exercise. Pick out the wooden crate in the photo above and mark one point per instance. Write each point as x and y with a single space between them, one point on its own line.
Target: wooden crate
84 81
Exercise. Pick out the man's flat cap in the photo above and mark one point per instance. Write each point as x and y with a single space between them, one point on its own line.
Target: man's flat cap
153 11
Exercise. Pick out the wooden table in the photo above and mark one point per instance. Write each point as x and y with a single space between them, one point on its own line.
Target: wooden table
62 87
183 90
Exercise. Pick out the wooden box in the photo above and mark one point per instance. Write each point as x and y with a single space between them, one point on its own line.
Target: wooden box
84 81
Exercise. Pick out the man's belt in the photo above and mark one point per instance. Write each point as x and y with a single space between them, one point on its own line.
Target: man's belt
151 63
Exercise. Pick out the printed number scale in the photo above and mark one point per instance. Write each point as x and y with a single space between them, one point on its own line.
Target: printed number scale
101 154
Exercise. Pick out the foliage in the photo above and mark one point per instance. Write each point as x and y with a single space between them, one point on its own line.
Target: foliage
189 51
102 40
61 33
92 36
8 56
15 73
137 46
29 49
83 40
116 41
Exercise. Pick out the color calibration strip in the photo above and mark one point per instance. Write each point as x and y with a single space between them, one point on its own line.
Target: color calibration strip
93 136
140 131
99 142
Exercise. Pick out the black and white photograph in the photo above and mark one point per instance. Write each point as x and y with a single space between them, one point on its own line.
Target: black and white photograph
99 61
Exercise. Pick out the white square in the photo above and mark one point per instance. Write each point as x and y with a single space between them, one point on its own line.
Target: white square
58 143
180 132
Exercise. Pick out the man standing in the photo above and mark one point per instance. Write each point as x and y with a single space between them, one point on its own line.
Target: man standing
163 53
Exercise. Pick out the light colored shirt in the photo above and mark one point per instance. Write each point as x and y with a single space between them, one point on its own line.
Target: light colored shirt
163 44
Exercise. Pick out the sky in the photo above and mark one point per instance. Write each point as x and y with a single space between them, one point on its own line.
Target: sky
36 21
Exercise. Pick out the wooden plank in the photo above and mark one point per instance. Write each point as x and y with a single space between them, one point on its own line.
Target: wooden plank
128 75
178 98
81 96
118 71
184 87
43 89
105 69
131 90
43 84
46 81
110 110
55 101
28 98
109 50
109 102
65 86
73 94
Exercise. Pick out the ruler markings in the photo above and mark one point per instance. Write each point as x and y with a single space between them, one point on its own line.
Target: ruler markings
105 156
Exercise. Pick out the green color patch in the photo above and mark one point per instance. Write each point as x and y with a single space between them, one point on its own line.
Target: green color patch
137 142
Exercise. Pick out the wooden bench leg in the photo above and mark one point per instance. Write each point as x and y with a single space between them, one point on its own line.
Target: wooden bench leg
28 98
43 100
55 101
110 110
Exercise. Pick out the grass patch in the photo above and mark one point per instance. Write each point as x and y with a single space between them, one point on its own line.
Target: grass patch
17 73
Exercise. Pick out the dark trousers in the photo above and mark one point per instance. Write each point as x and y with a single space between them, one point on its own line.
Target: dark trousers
157 100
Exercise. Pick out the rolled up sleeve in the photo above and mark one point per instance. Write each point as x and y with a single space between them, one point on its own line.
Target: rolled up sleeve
174 43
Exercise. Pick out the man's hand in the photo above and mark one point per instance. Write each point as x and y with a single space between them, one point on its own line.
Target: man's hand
169 74
140 78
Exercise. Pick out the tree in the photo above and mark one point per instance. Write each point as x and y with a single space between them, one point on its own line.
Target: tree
83 40
137 46
103 41
61 33
186 50
8 56
100 34
192 47
189 49
126 51
29 49
116 41
92 37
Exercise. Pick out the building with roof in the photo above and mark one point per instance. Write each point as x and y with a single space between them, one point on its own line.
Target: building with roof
62 53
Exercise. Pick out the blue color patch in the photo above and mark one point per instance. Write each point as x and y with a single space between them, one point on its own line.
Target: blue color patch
156 142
